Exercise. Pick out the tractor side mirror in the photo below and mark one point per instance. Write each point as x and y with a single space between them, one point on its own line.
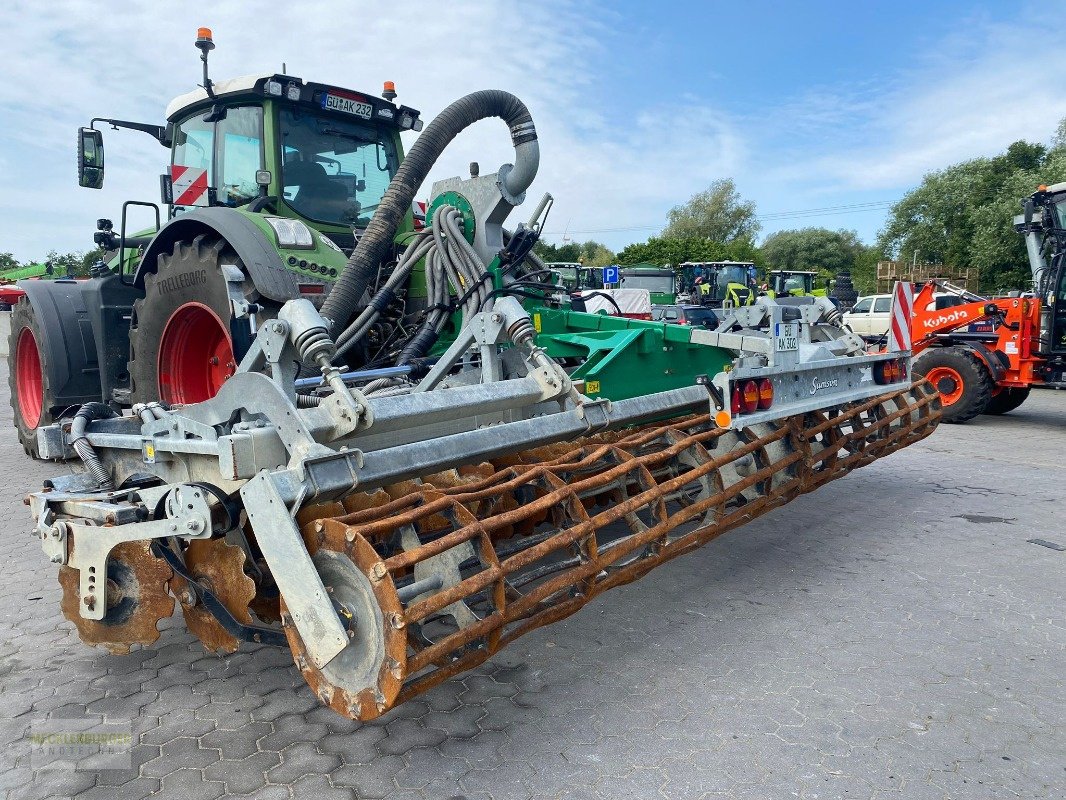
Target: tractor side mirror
90 158
1029 209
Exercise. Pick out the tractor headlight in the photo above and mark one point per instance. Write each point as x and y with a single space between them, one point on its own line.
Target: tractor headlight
292 233
272 88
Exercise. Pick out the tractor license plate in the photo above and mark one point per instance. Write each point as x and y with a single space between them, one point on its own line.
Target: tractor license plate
335 102
787 335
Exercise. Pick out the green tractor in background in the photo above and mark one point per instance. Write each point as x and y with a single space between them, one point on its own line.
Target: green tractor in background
271 182
719 284
794 283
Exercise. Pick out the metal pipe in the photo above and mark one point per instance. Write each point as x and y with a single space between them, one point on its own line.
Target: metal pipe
358 375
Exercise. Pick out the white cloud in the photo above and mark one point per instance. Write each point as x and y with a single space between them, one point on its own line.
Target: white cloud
612 170
72 61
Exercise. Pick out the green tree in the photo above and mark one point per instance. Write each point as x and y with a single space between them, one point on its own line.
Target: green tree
7 261
590 253
816 249
676 250
717 213
963 215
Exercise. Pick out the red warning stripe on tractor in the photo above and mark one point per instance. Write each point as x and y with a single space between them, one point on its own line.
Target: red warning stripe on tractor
189 185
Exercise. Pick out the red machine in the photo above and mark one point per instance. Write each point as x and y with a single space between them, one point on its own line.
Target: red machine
978 373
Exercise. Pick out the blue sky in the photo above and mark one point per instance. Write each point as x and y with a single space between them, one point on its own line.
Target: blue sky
807 106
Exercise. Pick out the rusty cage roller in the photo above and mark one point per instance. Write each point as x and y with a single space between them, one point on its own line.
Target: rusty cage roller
486 561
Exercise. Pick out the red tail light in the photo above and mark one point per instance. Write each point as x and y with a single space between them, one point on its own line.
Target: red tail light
734 402
890 371
749 396
766 393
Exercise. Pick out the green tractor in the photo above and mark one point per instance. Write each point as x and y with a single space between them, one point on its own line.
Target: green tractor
272 180
794 283
719 283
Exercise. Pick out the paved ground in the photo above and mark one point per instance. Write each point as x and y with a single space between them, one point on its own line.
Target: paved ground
892 636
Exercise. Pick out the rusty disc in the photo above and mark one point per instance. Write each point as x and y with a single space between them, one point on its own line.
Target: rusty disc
363 680
219 567
137 599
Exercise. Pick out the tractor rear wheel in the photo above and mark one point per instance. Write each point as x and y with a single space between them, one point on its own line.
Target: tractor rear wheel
1007 399
31 395
962 379
184 343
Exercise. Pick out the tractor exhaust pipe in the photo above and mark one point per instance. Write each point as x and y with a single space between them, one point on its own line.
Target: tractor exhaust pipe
464 112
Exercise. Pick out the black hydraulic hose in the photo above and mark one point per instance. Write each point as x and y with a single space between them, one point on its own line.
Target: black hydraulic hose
90 412
372 247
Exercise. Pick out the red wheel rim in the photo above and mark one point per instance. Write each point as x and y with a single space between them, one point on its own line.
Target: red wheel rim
29 379
948 382
195 355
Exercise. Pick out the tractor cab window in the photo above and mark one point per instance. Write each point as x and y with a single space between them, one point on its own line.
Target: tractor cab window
240 154
335 170
231 148
194 145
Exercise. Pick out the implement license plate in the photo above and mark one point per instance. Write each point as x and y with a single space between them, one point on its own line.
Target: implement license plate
787 335
348 105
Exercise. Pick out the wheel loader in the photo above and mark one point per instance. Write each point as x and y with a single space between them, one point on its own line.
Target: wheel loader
396 452
991 371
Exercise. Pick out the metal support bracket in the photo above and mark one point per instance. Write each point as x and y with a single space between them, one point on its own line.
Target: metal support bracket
188 516
298 581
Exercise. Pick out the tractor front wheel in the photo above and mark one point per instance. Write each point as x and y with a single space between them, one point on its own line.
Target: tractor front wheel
962 379
184 343
31 396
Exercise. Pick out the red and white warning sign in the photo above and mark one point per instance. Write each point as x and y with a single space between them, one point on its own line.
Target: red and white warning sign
418 209
189 185
899 332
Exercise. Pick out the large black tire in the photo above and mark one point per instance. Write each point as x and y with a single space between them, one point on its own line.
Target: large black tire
189 279
1007 400
24 325
962 379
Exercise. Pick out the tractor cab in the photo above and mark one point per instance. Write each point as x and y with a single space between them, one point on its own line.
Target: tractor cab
719 283
784 283
271 144
279 144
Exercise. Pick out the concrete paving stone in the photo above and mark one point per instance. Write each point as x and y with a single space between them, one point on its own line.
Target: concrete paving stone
243 776
48 782
405 734
509 779
482 752
369 781
176 725
302 759
189 784
269 793
357 747
136 789
291 729
426 765
182 752
237 744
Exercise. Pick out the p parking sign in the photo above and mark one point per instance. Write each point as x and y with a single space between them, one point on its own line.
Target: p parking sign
610 275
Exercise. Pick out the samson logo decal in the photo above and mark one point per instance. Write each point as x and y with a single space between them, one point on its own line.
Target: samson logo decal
182 281
817 384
